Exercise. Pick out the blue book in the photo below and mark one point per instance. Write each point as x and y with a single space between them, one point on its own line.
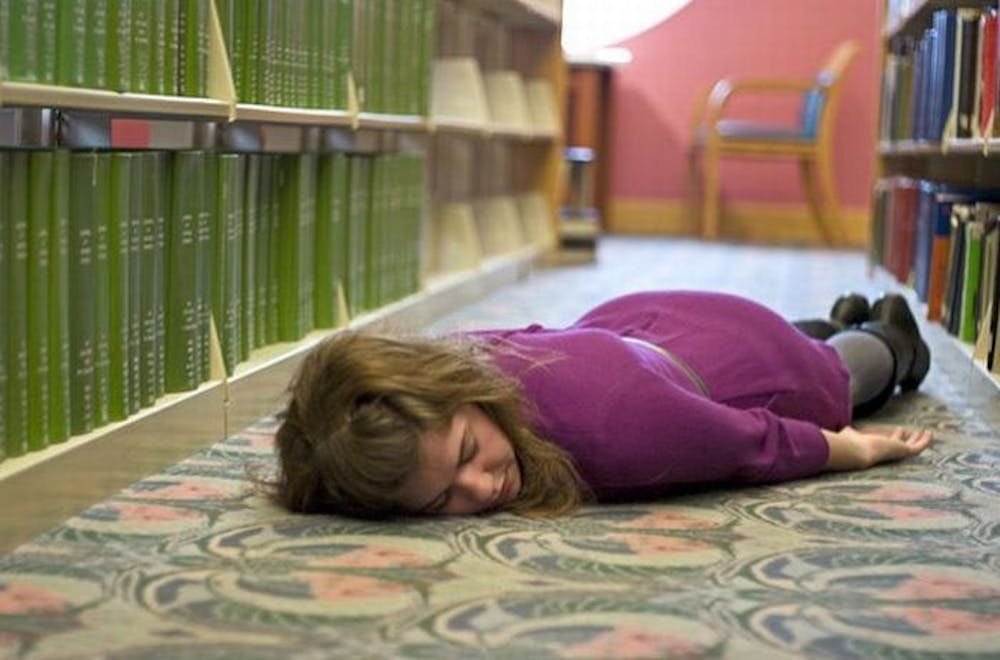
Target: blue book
944 25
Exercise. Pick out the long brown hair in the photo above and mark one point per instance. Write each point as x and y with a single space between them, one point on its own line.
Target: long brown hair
359 404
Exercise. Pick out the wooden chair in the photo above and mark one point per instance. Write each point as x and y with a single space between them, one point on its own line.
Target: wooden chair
810 142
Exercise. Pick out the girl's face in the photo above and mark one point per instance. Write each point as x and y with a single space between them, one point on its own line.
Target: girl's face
468 466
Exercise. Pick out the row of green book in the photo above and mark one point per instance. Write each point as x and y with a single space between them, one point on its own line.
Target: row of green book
143 46
303 53
116 266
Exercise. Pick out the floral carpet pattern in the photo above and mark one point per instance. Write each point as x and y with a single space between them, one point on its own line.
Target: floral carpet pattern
901 561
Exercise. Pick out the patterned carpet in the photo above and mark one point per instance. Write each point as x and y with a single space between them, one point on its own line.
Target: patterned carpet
901 561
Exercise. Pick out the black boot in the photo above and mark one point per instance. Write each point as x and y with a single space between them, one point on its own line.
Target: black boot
892 310
850 309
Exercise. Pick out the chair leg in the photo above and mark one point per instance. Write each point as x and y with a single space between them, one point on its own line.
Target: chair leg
710 195
828 195
693 197
811 188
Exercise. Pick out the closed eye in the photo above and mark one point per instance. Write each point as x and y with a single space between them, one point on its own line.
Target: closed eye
465 454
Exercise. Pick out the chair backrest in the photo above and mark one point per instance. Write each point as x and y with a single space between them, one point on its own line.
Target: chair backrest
819 103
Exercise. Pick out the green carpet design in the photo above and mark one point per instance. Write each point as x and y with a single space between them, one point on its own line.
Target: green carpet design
901 561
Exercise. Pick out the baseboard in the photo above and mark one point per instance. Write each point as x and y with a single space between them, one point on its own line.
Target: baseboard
744 222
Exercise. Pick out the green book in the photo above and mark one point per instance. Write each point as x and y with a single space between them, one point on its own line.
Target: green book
47 40
233 319
22 64
267 51
236 45
16 313
228 249
171 46
142 17
262 250
247 57
344 47
118 45
4 74
137 183
39 182
95 69
330 244
357 232
119 285
102 336
248 283
183 365
286 257
71 51
157 46
160 184
82 283
375 227
58 331
4 284
205 225
193 53
975 230
427 41
148 283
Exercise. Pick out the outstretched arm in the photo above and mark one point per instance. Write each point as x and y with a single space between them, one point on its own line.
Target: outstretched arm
858 449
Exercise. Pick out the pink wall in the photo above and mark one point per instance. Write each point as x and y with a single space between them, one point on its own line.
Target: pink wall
654 96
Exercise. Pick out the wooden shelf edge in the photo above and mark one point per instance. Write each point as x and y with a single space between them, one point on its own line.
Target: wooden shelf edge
299 116
415 123
988 147
52 96
967 350
43 488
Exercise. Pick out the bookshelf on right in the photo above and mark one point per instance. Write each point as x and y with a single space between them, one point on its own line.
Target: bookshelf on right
936 202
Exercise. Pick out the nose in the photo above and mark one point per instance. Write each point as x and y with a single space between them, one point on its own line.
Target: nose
474 484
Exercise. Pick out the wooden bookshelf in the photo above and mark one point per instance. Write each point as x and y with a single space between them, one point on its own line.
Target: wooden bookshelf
42 487
963 162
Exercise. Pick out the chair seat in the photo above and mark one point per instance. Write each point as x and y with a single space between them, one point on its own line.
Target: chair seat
742 129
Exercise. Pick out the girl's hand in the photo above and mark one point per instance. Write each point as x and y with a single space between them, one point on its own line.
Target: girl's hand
858 449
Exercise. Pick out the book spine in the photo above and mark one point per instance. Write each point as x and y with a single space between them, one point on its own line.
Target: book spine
39 181
344 46
16 313
251 196
95 71
183 366
262 259
374 226
119 284
234 262
102 335
206 236
71 50
4 74
289 321
118 47
148 280
47 40
142 11
274 249
23 41
357 232
157 46
428 41
137 181
83 184
5 284
222 201
326 248
171 47
160 186
307 240
248 57
236 46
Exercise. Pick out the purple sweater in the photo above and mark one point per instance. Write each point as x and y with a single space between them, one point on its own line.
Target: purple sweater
638 423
